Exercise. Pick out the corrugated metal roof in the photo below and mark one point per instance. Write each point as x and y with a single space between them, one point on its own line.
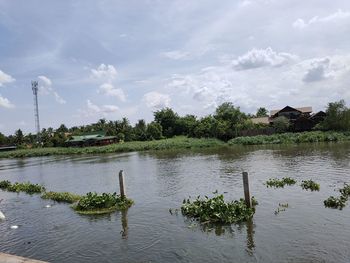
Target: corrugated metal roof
262 120
302 109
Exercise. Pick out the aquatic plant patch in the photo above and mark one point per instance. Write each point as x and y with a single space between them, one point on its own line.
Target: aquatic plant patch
310 185
93 203
281 208
280 183
338 202
216 210
64 197
26 187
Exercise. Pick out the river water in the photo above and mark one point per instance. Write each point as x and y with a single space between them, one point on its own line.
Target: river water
157 181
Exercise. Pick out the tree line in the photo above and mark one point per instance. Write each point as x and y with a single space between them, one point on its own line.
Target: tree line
227 122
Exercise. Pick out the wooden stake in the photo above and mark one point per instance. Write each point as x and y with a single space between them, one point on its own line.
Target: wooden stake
121 184
248 201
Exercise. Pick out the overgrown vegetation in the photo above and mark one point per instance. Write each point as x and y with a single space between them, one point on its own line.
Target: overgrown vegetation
21 187
280 183
64 197
179 142
93 203
310 185
339 202
216 210
288 138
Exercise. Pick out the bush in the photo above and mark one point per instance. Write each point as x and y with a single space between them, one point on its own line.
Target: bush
216 210
93 203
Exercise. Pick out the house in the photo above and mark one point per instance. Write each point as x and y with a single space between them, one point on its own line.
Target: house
91 139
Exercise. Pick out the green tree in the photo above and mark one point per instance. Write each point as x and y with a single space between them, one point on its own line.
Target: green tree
338 117
262 112
3 139
167 119
140 130
62 128
154 131
19 137
281 124
185 125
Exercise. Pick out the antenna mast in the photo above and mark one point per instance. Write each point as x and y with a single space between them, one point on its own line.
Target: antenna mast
36 109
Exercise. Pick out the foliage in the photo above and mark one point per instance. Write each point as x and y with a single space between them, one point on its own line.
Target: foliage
101 203
287 138
167 119
154 131
216 210
64 197
337 117
280 183
262 112
281 124
180 142
21 187
339 202
309 184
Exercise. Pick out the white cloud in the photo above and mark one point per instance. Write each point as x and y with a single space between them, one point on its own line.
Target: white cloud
95 110
109 90
318 70
339 15
156 100
4 102
45 88
5 78
176 55
257 58
105 72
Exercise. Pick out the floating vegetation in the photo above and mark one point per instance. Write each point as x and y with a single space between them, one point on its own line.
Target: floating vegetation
338 202
63 197
309 184
22 187
216 210
281 208
93 203
280 183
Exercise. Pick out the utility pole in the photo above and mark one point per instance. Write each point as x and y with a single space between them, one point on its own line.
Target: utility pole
36 109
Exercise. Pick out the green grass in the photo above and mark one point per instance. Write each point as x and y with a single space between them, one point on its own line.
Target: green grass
280 183
310 185
216 210
93 203
62 197
292 138
22 187
179 142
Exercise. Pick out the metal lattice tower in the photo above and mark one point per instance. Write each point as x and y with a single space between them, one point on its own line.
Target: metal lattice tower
36 108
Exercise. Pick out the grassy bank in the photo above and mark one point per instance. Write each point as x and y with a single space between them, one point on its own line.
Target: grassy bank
290 138
180 142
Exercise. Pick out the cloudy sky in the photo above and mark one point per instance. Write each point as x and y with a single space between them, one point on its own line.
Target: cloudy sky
110 59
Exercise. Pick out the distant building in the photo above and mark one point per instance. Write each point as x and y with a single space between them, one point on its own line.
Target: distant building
90 139
301 119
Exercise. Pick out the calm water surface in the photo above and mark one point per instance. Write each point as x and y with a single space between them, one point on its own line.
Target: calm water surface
157 181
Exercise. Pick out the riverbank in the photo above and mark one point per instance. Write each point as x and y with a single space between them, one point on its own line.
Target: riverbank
292 138
180 142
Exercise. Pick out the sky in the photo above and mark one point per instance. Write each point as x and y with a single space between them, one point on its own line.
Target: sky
114 59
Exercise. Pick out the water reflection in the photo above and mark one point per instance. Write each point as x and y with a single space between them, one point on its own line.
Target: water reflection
124 220
250 236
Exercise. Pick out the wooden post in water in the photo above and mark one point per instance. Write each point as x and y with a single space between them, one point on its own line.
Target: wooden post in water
248 201
121 184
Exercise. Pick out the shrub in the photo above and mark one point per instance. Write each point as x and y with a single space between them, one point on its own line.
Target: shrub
216 210
93 203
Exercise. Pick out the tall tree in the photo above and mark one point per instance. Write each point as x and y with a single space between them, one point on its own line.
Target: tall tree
167 119
262 112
